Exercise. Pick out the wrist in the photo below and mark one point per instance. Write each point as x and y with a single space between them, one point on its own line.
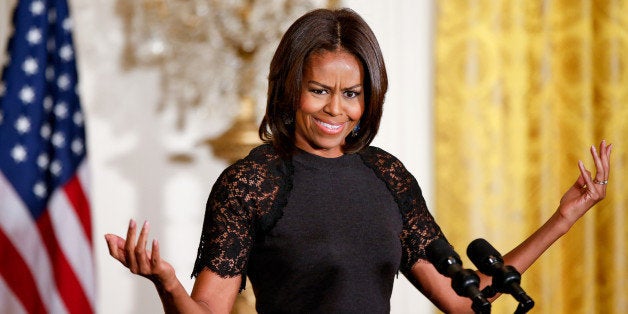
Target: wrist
560 223
168 285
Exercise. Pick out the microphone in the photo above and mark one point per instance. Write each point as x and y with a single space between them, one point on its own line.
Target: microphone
465 282
506 278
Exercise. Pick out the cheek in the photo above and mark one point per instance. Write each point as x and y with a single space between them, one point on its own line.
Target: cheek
356 111
308 105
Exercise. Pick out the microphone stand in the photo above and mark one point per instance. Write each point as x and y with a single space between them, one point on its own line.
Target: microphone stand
525 302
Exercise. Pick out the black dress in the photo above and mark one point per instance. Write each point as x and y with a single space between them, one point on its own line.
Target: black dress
314 234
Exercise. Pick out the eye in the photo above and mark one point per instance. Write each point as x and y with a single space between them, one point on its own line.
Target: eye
318 91
351 94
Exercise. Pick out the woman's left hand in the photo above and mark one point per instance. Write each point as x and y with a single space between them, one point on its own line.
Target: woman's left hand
587 190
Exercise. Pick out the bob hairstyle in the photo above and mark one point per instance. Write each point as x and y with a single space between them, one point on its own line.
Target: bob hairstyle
317 31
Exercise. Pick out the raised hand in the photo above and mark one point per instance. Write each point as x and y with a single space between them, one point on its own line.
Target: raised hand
137 259
587 190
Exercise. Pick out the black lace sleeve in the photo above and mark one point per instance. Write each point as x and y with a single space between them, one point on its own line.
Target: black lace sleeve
419 227
246 199
228 231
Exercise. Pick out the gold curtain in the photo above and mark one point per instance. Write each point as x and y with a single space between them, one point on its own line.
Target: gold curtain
523 88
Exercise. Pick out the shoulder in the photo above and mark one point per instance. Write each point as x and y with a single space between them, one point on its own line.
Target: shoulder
389 169
252 168
259 160
260 170
380 159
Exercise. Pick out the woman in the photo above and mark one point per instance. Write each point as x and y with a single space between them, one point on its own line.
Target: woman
316 218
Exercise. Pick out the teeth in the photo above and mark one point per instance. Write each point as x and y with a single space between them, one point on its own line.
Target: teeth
329 126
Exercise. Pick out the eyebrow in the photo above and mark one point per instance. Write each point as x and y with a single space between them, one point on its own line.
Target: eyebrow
329 87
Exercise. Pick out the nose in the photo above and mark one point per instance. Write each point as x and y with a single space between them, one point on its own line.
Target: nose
334 106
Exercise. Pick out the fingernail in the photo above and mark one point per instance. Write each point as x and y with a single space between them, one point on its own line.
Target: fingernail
131 223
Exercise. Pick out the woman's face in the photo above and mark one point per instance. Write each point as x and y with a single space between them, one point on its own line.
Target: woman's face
332 102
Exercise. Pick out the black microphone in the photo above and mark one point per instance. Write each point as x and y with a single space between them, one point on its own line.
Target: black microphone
465 282
506 278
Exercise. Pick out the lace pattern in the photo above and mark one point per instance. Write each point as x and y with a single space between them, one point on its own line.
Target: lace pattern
419 227
246 200
249 196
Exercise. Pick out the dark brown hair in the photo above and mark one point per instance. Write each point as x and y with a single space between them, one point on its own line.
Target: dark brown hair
316 31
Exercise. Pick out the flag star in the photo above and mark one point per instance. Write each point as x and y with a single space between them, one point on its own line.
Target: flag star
67 24
61 110
22 124
40 189
58 140
63 81
43 161
66 52
77 146
52 16
27 94
51 44
30 66
33 36
3 88
18 153
78 118
48 103
55 168
45 131
50 73
1 116
37 7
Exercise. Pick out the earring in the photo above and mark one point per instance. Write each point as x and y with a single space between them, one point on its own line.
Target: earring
355 130
287 119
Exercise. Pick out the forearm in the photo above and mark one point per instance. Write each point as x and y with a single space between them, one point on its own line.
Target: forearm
526 253
175 299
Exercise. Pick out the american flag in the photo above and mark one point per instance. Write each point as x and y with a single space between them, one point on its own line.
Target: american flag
46 261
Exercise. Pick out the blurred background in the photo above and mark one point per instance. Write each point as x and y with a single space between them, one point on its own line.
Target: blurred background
491 105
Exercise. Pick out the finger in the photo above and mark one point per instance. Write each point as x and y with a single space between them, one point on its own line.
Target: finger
116 247
606 160
580 183
586 175
140 249
129 247
155 255
600 172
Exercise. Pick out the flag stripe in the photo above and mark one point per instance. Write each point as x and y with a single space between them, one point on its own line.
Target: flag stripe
69 287
84 178
19 228
79 202
17 276
73 241
11 304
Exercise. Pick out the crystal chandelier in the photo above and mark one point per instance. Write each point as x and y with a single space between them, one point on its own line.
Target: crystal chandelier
211 54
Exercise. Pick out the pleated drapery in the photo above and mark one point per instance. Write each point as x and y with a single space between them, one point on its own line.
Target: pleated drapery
523 88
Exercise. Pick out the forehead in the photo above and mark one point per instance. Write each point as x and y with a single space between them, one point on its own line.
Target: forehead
335 61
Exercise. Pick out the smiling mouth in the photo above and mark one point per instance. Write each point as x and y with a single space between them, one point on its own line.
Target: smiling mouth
329 128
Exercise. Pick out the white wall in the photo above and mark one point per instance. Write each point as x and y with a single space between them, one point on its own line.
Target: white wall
131 145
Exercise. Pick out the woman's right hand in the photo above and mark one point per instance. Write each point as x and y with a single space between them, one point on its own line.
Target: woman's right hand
137 259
